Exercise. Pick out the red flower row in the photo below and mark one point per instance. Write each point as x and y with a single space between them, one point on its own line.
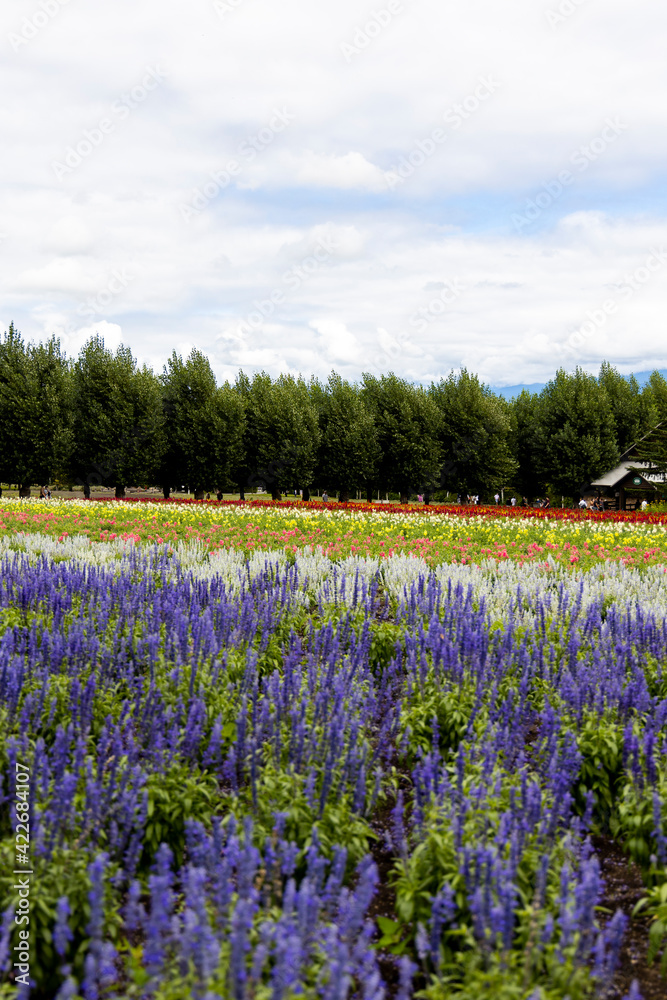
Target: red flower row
552 513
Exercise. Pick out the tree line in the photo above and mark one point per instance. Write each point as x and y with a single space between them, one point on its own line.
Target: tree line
101 419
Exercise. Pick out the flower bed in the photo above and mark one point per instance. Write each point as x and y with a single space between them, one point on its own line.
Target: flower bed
466 535
283 775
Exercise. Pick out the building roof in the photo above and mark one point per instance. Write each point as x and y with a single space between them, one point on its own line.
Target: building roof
618 474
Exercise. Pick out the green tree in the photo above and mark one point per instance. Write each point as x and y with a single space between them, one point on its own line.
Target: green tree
655 393
118 425
407 423
575 438
349 452
524 443
282 433
204 426
634 411
475 434
34 411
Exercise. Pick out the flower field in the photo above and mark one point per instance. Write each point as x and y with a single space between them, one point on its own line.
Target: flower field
282 752
461 535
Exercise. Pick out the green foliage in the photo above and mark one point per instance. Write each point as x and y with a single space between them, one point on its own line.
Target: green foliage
634 824
634 411
349 450
281 435
474 435
63 874
600 742
574 437
177 795
387 641
204 425
452 708
117 419
335 824
654 905
35 410
471 975
407 423
524 425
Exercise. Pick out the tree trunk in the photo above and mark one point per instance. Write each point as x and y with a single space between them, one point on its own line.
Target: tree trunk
120 491
427 498
219 495
275 493
86 490
369 494
344 496
199 494
241 493
166 491
404 498
24 490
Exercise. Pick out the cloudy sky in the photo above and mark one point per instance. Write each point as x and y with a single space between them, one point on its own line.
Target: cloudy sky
407 185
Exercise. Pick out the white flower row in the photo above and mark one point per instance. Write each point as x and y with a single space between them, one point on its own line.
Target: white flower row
497 584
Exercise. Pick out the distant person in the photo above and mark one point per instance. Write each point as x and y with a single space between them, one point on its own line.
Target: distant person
496 497
582 504
644 504
325 497
547 503
524 502
513 501
420 498
42 493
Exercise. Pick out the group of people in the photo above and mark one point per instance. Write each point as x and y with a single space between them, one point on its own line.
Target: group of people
44 493
596 504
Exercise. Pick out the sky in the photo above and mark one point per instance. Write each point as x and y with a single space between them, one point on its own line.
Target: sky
403 185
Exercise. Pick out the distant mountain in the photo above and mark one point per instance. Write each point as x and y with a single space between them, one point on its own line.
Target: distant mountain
509 391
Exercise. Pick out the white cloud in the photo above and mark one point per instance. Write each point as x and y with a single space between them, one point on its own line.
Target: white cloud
222 83
352 170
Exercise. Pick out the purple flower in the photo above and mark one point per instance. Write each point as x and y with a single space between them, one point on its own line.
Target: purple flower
62 933
5 932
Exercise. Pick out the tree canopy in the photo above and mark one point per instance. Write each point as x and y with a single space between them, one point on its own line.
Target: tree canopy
102 419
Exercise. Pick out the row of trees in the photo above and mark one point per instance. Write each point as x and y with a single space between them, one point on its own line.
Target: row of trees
103 420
